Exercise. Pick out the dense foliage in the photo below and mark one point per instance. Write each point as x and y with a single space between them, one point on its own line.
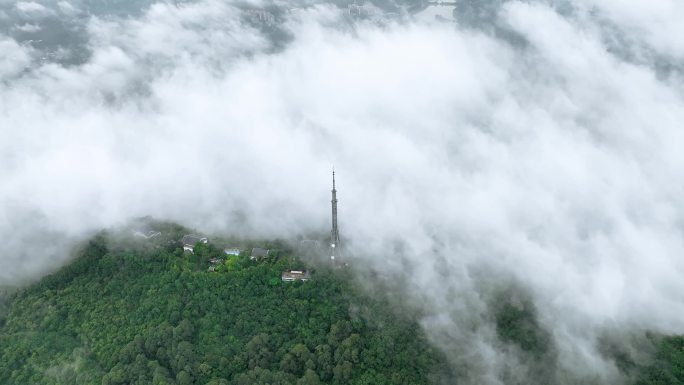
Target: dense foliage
641 358
142 311
667 367
152 314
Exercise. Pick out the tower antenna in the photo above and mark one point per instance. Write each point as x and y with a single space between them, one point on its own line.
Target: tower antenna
334 232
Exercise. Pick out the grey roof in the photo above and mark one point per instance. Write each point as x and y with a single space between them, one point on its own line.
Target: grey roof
295 275
191 240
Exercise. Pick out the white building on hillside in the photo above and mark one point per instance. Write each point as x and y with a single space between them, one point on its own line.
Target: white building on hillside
189 242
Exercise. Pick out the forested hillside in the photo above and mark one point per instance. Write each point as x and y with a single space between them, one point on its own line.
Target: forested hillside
141 311
147 313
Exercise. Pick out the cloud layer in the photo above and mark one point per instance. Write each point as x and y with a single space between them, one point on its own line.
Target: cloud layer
538 145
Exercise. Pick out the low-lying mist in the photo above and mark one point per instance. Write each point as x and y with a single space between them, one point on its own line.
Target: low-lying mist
533 145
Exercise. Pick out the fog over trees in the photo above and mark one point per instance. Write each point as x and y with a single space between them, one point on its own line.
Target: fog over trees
504 163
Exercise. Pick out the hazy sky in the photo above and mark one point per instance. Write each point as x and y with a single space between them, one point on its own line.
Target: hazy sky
530 142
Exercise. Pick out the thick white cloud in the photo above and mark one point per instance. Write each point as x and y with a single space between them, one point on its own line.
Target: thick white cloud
31 8
464 162
67 8
15 59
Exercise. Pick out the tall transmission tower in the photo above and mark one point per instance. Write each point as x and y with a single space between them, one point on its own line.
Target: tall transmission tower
334 232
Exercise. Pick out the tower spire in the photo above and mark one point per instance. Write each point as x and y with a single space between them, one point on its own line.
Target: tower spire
334 232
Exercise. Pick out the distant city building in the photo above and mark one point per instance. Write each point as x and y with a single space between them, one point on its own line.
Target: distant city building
189 242
362 11
231 251
295 275
258 253
260 17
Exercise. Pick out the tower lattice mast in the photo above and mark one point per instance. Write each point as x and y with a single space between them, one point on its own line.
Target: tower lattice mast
334 232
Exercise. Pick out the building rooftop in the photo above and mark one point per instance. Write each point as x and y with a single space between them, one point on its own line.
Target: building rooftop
258 253
295 275
192 239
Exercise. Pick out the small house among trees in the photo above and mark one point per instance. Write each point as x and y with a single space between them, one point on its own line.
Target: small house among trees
295 275
232 251
258 253
189 242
